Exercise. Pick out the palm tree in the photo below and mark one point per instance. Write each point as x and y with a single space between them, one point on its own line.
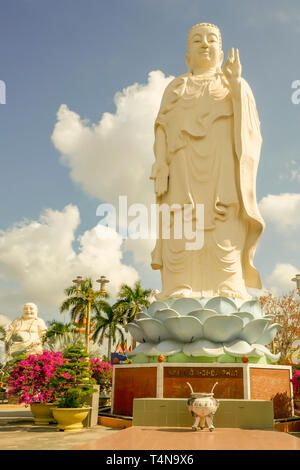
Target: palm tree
61 342
106 326
130 302
57 328
78 305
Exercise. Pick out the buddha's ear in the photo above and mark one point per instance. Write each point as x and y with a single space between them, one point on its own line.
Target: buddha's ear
188 62
221 58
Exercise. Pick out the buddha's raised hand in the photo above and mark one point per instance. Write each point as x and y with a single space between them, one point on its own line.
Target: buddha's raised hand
232 69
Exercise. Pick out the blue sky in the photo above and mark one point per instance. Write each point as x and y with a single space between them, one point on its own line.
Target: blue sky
81 54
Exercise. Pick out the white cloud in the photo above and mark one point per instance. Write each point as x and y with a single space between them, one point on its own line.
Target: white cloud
114 157
292 172
279 281
283 210
39 255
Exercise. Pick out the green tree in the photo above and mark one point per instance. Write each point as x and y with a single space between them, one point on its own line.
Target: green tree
106 325
74 378
57 328
130 302
77 306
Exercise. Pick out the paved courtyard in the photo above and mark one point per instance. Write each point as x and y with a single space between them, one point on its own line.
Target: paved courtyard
17 432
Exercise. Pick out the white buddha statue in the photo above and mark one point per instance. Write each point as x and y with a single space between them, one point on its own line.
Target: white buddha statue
207 149
30 330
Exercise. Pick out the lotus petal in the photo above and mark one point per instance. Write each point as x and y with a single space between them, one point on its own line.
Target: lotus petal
238 302
252 306
245 316
156 306
171 301
268 334
165 313
169 347
185 328
253 330
136 332
142 315
202 314
238 348
222 328
202 301
186 305
149 349
221 305
154 329
203 347
262 350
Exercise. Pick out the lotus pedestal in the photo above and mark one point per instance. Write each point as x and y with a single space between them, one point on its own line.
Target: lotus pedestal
168 380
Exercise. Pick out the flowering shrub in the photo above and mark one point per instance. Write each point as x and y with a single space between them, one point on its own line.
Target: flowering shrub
296 382
102 373
31 379
56 376
73 379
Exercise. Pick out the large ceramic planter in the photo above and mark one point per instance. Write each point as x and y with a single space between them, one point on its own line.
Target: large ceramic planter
70 419
42 412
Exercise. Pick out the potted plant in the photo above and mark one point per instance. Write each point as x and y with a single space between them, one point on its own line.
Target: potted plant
31 381
74 382
102 373
296 388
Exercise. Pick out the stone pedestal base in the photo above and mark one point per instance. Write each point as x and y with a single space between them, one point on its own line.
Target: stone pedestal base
168 380
173 412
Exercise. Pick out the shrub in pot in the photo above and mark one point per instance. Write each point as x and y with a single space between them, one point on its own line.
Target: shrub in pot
75 383
31 381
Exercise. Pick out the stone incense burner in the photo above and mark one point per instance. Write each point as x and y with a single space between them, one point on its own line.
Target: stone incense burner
202 407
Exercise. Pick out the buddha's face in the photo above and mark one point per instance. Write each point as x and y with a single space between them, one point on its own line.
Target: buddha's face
204 49
30 311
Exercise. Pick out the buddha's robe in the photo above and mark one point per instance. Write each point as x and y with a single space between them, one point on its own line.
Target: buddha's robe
213 147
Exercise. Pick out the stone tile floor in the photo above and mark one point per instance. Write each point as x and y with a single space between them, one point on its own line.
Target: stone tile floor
17 432
163 438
